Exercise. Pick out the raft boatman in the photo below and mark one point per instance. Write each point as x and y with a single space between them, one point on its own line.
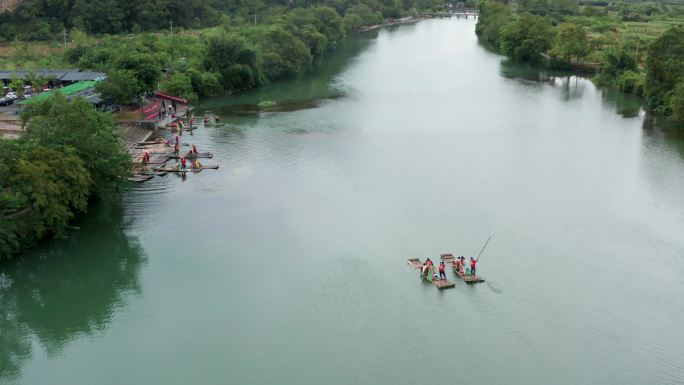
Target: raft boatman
146 158
193 150
473 262
196 164
176 148
183 163
442 275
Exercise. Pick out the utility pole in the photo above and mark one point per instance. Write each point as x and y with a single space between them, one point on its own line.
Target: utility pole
171 25
255 19
65 38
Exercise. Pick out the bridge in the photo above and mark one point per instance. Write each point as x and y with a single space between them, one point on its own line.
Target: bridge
460 14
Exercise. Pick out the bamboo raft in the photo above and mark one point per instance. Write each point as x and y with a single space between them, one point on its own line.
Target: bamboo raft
192 156
439 283
139 178
188 169
450 260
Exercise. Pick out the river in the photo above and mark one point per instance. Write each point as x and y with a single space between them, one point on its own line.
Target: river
288 264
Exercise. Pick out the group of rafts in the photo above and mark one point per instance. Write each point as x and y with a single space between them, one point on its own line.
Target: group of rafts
460 266
155 155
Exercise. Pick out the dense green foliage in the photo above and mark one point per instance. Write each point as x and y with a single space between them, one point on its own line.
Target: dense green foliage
242 44
69 154
570 42
636 47
665 75
526 38
46 20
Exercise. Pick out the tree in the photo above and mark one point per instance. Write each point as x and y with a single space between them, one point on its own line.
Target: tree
58 124
234 61
40 189
665 67
179 84
283 54
674 100
617 60
526 38
493 17
120 86
570 42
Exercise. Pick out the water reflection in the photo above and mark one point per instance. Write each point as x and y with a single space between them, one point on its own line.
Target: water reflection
573 87
66 289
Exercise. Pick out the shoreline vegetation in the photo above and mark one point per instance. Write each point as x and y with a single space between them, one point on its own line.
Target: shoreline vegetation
632 46
70 156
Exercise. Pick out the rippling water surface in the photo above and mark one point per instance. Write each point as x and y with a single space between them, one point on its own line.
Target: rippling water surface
288 264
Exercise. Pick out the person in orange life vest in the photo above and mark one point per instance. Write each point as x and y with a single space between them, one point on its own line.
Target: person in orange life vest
442 275
183 163
473 262
194 150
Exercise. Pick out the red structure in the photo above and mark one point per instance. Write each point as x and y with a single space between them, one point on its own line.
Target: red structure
176 99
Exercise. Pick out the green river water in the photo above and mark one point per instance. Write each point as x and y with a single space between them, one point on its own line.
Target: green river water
288 264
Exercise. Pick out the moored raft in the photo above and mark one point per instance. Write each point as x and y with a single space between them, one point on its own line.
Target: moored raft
415 263
192 156
139 178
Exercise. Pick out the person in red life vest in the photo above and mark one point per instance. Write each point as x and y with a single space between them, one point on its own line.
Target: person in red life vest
473 262
428 262
442 275
184 163
146 157
190 121
177 139
458 264
176 148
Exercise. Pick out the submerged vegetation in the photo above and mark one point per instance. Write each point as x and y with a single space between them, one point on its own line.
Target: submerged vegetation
635 47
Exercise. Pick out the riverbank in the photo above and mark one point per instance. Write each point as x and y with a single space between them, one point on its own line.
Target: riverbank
437 146
631 56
